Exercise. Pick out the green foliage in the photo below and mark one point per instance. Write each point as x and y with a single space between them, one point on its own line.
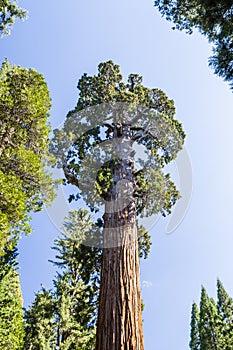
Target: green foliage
211 324
9 11
158 193
89 151
11 316
225 311
144 242
214 19
104 178
64 318
208 330
40 327
24 184
195 318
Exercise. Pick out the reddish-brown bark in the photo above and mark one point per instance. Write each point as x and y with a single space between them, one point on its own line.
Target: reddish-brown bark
120 318
119 325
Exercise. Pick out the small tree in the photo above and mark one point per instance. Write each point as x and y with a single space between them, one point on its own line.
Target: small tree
95 150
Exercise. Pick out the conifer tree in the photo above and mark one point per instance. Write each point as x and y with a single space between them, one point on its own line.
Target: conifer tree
194 335
117 114
11 302
225 311
211 324
64 318
24 184
214 19
209 332
40 326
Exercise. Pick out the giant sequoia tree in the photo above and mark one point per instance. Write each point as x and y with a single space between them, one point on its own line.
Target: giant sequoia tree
214 19
24 184
96 149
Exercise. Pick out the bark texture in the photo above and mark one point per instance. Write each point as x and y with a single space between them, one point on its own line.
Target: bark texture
119 325
120 319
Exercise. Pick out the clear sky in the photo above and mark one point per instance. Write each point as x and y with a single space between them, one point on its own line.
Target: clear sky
64 39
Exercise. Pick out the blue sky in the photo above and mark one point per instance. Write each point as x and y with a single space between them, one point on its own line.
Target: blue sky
63 40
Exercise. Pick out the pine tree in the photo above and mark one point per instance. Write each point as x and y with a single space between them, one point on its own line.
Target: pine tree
194 335
24 184
225 311
64 318
209 332
123 113
40 326
11 316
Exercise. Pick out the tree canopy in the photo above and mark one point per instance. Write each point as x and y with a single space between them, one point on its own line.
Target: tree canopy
24 183
9 11
86 150
214 19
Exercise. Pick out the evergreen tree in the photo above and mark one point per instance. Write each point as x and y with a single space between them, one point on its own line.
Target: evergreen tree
11 316
40 326
214 19
211 326
64 318
209 332
194 335
225 311
24 184
9 11
123 114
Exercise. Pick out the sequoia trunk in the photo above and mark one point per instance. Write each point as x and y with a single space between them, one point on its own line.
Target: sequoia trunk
119 325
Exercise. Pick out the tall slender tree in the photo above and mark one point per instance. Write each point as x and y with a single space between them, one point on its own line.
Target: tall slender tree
225 311
11 302
95 150
209 332
194 335
64 318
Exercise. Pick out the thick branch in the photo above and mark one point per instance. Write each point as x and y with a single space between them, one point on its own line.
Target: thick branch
71 178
